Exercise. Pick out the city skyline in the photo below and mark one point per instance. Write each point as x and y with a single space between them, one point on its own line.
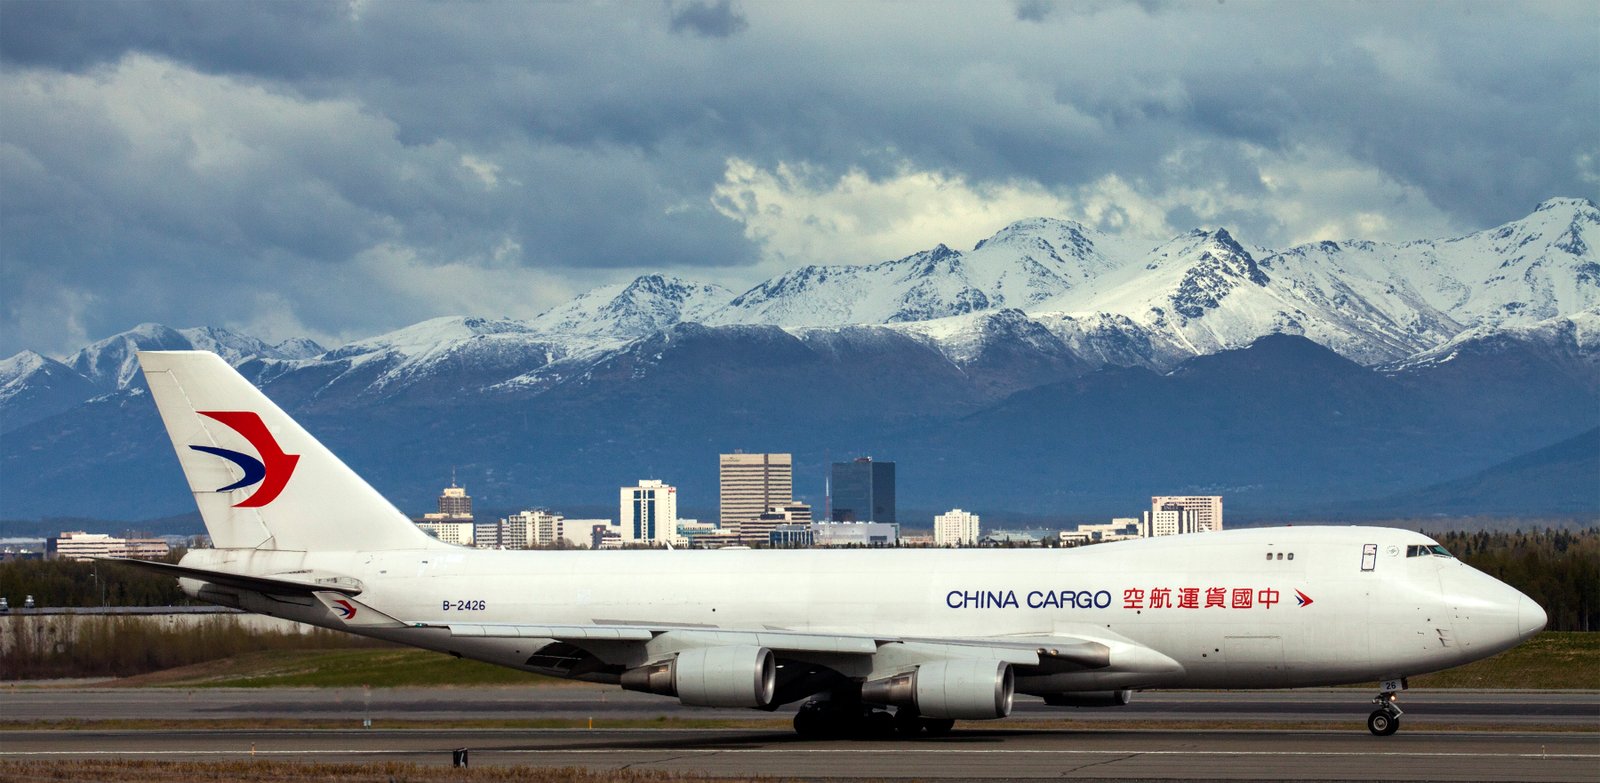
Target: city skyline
649 514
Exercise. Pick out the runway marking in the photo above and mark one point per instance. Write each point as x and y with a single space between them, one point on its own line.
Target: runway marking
778 751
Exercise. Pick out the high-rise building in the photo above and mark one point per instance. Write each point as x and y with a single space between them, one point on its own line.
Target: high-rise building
649 513
1168 521
955 528
1173 519
455 503
862 491
1205 511
752 484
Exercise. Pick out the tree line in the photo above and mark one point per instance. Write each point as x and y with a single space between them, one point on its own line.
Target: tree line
1558 569
57 583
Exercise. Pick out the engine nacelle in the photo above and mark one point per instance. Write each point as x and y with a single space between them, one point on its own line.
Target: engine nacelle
972 689
738 676
1089 698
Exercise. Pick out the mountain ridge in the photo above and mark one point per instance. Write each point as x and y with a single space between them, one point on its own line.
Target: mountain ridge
1378 346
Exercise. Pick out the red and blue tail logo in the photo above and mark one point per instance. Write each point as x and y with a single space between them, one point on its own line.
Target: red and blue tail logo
272 471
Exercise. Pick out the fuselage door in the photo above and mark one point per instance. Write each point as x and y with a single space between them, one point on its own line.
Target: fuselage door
1369 557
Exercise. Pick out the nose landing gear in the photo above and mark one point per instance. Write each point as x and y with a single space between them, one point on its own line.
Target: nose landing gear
1384 720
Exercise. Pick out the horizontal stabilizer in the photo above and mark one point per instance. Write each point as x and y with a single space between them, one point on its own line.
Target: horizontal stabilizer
275 585
354 613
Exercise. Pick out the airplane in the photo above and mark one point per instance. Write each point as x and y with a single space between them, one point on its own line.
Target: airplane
935 635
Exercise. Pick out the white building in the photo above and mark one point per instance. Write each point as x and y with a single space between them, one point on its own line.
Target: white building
508 533
588 533
759 530
649 513
867 534
691 529
448 529
1119 529
1205 511
80 545
1171 521
955 528
529 529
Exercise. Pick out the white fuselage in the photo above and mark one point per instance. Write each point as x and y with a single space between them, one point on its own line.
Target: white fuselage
1267 607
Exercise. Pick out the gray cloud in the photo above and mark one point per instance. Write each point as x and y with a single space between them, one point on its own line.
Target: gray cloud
712 19
321 166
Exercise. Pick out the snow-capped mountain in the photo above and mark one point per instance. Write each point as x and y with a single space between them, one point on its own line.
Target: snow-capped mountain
1539 267
111 363
1049 352
1022 266
631 310
1571 341
1070 296
33 386
452 354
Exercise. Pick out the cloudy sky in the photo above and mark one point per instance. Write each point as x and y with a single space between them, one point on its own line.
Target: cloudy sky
338 170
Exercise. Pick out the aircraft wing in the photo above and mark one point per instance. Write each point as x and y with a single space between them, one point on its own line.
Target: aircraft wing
632 645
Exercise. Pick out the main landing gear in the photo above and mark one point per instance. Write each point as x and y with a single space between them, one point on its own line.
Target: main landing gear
829 719
1384 720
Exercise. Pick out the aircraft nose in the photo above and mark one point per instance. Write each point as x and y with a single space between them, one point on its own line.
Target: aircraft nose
1531 618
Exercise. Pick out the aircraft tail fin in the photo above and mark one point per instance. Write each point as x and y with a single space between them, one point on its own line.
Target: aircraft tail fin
260 480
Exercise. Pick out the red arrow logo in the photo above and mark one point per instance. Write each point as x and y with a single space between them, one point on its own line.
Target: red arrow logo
1302 598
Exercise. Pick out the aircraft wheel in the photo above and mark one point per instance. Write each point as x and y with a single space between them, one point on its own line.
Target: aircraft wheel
1382 724
810 722
879 725
908 723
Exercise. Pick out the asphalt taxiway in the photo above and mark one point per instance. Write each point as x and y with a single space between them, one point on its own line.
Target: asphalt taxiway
1535 736
963 755
1338 707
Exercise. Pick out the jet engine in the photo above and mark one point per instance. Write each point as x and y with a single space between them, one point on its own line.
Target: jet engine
1089 698
738 676
970 689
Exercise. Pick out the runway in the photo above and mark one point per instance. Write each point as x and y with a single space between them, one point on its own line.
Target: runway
1158 737
964 755
1337 707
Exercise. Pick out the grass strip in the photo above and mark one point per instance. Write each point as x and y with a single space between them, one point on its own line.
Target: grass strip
1550 661
377 668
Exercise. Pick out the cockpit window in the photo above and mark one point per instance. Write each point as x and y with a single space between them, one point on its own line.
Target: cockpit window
1424 550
